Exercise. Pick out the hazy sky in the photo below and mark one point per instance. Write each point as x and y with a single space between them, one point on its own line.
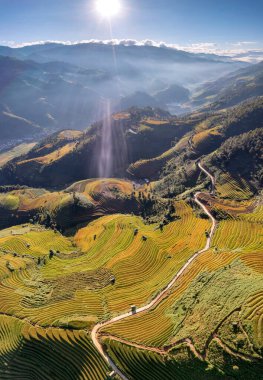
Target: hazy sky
226 23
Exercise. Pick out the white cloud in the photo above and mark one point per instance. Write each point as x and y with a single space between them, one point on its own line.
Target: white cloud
244 43
238 51
8 43
126 42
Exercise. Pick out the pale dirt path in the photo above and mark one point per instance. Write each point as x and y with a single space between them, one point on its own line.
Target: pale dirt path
158 298
210 176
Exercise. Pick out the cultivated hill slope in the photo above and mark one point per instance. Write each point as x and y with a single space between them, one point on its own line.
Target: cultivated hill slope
54 289
232 89
175 170
60 161
239 163
146 143
74 257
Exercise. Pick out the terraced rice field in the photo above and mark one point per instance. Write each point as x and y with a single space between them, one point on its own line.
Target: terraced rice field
156 122
31 352
121 116
140 268
177 364
231 207
93 198
49 304
149 168
233 188
235 254
33 240
203 139
108 187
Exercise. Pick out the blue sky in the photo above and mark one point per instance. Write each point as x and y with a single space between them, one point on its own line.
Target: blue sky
225 24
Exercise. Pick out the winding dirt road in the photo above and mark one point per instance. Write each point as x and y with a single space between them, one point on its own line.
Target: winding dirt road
96 329
213 182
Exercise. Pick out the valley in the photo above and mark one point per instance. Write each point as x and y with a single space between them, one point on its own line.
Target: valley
87 76
131 240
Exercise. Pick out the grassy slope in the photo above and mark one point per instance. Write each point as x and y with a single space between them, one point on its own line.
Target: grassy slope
180 173
237 165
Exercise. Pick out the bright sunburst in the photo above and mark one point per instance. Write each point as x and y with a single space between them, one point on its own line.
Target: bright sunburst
108 8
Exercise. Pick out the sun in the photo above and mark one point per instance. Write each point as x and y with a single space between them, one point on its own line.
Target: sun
108 8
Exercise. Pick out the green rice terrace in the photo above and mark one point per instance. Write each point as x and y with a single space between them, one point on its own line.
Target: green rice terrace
55 289
131 190
156 274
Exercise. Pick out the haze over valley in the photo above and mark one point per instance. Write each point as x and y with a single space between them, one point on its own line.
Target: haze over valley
90 75
131 201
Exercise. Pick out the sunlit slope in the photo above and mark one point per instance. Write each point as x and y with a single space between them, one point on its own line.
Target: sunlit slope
78 286
216 305
179 363
69 156
34 241
231 89
80 203
223 140
15 152
237 165
31 352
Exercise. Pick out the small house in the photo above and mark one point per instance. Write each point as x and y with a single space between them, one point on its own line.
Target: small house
111 375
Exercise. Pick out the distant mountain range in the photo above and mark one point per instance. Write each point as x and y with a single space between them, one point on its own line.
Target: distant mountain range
44 88
110 57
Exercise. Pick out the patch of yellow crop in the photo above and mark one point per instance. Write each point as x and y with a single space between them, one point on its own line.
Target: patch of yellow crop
53 156
70 135
115 244
32 240
202 137
15 152
156 121
121 116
